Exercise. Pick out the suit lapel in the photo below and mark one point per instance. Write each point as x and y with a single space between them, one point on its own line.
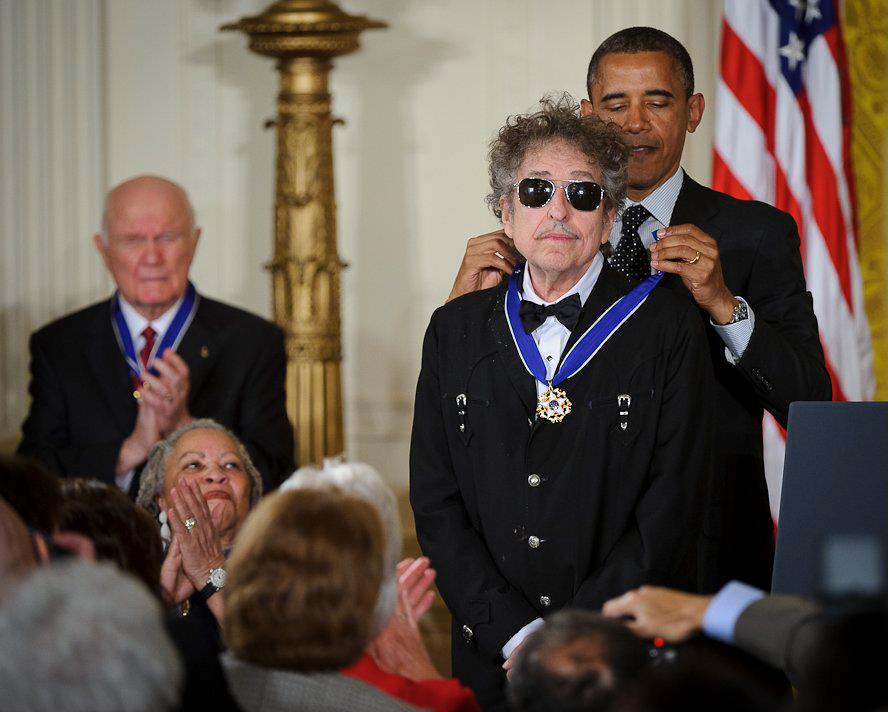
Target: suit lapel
609 287
509 358
199 349
109 368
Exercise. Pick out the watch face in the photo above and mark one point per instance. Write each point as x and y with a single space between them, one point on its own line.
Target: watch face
217 577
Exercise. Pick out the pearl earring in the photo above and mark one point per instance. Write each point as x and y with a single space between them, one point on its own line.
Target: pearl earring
164 526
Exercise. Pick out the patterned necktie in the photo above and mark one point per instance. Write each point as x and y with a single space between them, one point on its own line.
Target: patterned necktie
630 257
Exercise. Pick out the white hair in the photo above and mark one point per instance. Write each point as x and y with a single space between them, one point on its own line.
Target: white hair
364 482
81 637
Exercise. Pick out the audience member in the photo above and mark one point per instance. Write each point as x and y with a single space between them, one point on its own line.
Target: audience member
32 491
576 661
17 555
109 381
200 484
305 575
689 687
79 637
396 660
777 629
120 531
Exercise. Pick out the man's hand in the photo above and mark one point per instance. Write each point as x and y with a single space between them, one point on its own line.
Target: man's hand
488 259
134 450
652 611
167 393
415 579
510 663
677 247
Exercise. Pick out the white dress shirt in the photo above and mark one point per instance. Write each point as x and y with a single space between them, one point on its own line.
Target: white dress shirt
136 324
661 204
551 336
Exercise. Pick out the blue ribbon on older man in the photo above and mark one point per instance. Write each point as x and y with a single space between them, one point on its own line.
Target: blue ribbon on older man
170 339
553 404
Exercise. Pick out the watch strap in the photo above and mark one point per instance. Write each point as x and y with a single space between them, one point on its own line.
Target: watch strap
207 591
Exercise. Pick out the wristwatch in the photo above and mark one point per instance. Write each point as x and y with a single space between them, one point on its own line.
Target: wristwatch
215 582
740 312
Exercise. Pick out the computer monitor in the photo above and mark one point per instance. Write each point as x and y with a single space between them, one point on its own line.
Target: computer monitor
832 540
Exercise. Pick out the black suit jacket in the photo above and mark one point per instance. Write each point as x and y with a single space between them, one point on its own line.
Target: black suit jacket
759 249
613 509
82 407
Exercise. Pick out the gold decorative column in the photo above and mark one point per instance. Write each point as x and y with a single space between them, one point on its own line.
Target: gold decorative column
304 35
866 39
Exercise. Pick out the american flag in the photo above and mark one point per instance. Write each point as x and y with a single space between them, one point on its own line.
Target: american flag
782 136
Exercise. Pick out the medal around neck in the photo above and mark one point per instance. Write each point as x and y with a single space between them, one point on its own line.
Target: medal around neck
553 404
170 340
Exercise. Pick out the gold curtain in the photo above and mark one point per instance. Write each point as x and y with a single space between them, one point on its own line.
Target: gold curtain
866 40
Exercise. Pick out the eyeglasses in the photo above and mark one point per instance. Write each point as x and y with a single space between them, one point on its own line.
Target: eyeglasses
582 194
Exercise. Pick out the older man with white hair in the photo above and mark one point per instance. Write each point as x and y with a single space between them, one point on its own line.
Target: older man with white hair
109 381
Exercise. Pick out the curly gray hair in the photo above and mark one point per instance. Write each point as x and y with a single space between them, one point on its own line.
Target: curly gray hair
152 479
558 118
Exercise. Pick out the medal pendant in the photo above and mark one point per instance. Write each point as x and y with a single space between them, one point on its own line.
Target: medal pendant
553 405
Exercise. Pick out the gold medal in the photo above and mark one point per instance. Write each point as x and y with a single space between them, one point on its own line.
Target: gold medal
553 404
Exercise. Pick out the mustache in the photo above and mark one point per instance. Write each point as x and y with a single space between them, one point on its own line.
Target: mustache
557 226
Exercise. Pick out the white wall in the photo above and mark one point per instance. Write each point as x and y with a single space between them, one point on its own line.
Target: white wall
420 100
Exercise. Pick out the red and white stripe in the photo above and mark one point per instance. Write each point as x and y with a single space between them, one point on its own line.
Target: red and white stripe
793 152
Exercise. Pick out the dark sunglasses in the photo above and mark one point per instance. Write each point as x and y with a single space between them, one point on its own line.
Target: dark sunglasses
582 194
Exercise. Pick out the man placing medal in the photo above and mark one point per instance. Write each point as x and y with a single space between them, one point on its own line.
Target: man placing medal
561 435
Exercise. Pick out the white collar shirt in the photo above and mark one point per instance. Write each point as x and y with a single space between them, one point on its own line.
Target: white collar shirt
551 336
136 323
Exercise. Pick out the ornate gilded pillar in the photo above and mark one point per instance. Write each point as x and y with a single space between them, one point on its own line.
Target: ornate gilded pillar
304 35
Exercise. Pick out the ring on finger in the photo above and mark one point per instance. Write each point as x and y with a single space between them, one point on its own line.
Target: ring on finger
696 258
168 397
190 523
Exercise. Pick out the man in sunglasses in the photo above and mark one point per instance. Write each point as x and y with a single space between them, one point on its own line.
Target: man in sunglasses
738 260
560 447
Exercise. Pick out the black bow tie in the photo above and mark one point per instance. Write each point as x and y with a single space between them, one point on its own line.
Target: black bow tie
567 311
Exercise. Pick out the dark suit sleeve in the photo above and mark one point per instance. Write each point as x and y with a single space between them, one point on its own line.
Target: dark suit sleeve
45 434
661 546
476 593
782 631
263 425
784 359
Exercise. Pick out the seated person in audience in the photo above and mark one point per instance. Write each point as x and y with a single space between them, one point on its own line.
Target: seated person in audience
303 587
109 381
396 659
692 686
83 637
827 657
575 661
128 536
35 495
120 531
778 629
200 484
